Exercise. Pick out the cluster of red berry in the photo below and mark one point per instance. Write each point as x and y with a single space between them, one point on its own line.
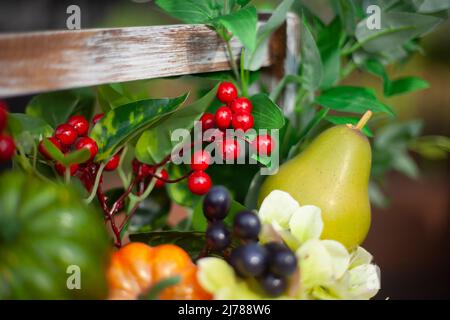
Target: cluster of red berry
236 113
7 145
73 135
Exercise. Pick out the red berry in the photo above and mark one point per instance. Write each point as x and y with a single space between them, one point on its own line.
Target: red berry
97 118
199 183
242 121
3 115
263 144
113 163
7 148
230 148
207 120
66 134
226 92
146 170
61 169
241 105
44 151
136 164
160 183
88 143
200 160
223 117
80 124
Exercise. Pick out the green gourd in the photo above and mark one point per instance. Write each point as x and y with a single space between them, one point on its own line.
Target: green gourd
333 174
45 228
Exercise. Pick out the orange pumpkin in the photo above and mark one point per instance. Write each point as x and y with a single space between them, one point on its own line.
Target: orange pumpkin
136 267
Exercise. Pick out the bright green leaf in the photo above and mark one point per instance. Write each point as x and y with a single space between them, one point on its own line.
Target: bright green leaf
127 121
352 99
155 144
266 113
19 123
179 192
56 107
405 85
191 11
328 44
311 64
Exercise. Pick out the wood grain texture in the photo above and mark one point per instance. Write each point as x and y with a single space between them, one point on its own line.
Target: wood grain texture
44 61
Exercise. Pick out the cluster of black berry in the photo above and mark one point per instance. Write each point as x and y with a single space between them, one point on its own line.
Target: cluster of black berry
271 264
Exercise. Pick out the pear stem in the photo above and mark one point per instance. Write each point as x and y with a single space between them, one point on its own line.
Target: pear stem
364 119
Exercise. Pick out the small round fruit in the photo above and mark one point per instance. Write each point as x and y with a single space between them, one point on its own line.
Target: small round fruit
61 169
147 170
229 148
217 203
243 121
217 236
282 261
199 183
3 115
113 163
66 134
200 160
227 92
249 260
223 117
263 145
247 225
136 165
88 143
44 151
273 285
80 124
241 105
207 121
97 118
7 148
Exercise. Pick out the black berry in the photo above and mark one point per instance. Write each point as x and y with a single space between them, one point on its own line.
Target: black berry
247 225
272 284
249 260
217 203
282 261
217 236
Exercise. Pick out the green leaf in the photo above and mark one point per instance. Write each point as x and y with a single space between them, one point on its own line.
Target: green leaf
431 147
155 144
403 163
311 64
266 113
394 87
191 242
111 96
352 99
191 11
254 59
125 122
349 15
18 123
251 200
396 29
429 6
199 222
243 3
53 151
179 192
242 24
328 43
56 107
76 157
349 120
162 285
396 136
376 195
406 85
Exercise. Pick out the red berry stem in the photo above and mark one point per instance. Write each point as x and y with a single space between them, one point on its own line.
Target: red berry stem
154 175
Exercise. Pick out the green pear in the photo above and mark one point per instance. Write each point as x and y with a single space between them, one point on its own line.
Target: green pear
333 174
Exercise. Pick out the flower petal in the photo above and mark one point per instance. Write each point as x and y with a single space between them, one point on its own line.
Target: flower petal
364 281
278 207
359 257
306 223
215 274
340 258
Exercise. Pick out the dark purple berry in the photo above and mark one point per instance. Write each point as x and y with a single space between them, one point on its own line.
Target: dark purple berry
247 225
282 261
249 260
273 285
217 236
217 203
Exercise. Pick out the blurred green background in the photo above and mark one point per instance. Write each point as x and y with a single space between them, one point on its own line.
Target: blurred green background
410 239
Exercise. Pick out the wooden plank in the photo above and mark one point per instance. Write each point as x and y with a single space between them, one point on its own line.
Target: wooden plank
45 61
